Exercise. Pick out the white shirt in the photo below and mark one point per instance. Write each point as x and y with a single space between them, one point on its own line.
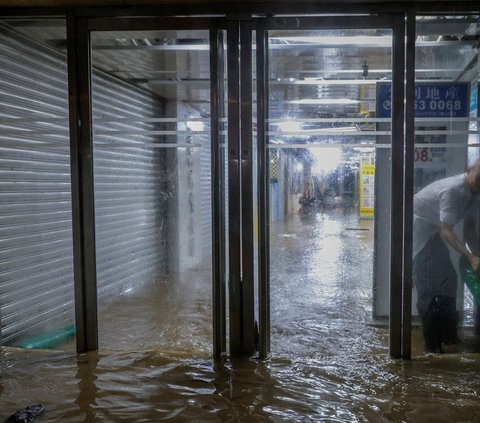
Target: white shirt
446 201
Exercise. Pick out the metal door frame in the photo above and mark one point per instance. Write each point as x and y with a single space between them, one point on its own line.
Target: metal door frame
240 167
80 101
80 119
399 323
242 275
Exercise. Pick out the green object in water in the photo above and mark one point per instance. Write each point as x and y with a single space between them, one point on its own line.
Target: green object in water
49 339
471 279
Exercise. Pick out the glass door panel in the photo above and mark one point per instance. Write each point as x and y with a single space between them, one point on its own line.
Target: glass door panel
329 151
446 144
153 189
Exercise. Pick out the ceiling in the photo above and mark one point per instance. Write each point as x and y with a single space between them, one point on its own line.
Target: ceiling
313 74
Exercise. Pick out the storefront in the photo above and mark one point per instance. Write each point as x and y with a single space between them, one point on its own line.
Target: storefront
158 145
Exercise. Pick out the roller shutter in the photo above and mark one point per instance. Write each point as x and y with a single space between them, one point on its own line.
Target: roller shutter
36 264
36 258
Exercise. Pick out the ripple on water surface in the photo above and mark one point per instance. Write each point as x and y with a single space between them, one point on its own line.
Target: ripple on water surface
327 364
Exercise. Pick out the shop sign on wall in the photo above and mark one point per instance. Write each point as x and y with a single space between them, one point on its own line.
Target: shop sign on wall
431 100
435 101
367 189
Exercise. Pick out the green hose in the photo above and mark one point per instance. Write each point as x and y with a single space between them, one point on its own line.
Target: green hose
49 339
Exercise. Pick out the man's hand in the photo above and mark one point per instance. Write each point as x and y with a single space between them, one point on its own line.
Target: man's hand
475 263
448 234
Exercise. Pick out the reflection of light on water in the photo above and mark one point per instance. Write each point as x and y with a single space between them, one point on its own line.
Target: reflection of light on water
324 270
327 257
326 364
329 243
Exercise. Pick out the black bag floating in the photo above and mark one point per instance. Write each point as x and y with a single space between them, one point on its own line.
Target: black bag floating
26 414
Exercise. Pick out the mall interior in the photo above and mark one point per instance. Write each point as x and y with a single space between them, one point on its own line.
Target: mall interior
207 209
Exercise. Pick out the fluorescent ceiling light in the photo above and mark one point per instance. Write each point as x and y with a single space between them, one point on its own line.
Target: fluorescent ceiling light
195 125
289 125
320 81
384 40
339 129
343 101
294 127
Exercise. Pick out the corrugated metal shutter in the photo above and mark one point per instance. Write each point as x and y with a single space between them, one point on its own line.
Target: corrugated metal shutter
206 201
130 206
36 264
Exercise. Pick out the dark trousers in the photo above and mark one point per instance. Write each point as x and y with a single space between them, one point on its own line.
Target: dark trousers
440 324
436 282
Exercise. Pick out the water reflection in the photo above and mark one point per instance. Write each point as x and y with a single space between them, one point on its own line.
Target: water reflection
150 386
173 314
328 364
87 389
322 284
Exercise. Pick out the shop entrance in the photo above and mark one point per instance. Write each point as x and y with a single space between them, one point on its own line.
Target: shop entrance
325 177
261 162
330 217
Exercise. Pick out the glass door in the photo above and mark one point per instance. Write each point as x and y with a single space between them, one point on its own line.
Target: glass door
152 184
330 184
277 186
445 144
152 146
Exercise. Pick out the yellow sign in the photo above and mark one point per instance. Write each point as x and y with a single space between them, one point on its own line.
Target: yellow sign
367 189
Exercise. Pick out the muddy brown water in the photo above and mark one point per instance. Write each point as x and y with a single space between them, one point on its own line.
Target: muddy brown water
327 364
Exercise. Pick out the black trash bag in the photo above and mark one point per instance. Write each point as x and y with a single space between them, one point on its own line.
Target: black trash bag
26 414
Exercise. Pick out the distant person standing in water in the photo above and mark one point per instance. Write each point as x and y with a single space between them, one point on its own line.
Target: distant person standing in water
437 209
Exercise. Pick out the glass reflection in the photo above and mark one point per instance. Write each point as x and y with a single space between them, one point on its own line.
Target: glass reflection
328 142
445 228
152 155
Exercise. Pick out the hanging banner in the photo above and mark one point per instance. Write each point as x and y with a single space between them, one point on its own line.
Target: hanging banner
431 100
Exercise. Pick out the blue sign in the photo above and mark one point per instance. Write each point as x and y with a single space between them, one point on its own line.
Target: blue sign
473 100
431 100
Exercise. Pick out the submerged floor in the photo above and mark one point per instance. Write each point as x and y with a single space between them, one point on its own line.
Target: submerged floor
327 364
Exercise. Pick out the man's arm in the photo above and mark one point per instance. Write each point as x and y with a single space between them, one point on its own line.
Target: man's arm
448 233
470 232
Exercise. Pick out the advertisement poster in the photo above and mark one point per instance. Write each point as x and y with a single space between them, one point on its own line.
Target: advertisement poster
367 190
432 100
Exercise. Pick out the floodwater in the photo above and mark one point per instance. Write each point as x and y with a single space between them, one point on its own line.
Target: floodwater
327 365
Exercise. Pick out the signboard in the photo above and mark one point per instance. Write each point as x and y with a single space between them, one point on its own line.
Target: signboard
367 189
474 95
473 152
431 100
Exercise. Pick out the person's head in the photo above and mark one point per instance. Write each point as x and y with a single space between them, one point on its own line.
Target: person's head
473 176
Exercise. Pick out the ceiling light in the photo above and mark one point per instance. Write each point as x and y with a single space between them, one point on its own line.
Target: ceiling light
195 125
341 101
385 40
289 125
